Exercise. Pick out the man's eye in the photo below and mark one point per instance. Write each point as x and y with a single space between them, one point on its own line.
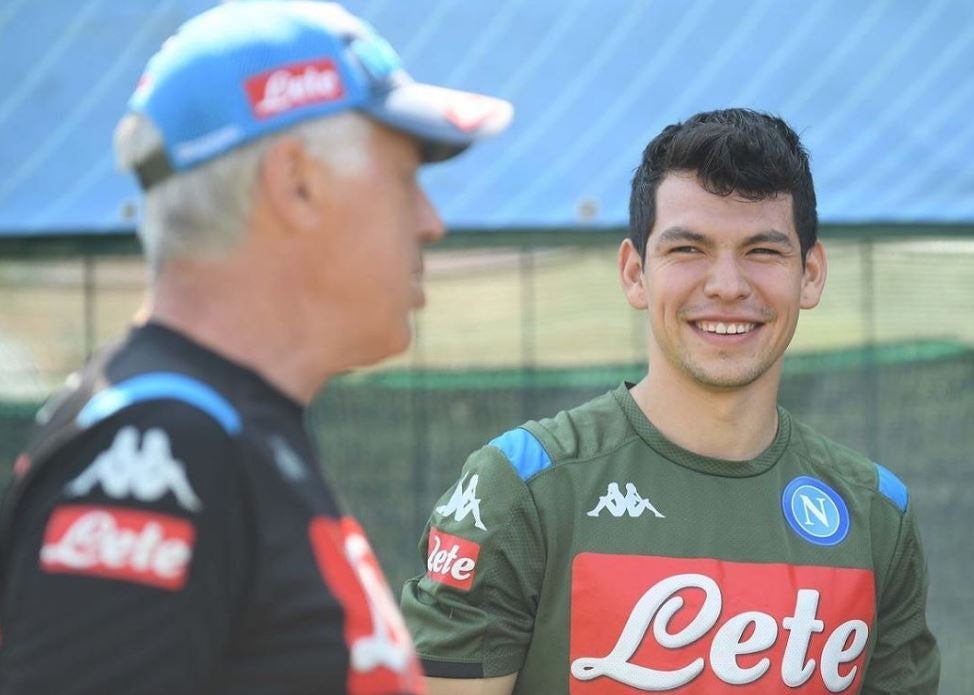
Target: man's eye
684 249
768 252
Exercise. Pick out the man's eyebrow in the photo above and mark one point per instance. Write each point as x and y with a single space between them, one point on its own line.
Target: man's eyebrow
771 236
675 234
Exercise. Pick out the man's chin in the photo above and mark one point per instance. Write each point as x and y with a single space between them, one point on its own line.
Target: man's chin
727 380
419 298
386 346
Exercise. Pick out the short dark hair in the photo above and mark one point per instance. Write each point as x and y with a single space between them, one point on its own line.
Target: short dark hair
731 151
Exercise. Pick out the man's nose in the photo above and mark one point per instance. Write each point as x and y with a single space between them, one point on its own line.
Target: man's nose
430 226
726 279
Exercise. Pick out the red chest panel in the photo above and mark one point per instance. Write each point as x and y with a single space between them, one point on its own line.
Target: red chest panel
660 624
380 650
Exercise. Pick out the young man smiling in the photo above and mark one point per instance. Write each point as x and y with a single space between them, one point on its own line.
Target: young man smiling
749 553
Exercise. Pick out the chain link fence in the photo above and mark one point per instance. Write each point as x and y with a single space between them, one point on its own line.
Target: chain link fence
885 365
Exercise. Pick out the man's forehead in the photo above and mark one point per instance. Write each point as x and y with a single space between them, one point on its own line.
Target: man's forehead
394 143
689 182
683 202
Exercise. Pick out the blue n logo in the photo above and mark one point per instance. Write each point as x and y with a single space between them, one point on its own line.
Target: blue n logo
815 511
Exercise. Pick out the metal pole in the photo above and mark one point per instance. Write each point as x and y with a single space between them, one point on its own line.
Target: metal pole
90 300
424 475
871 370
529 328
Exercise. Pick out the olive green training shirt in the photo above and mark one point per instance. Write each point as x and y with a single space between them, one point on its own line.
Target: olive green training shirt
594 557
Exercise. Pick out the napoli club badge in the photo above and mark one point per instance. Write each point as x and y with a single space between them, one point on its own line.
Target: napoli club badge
815 511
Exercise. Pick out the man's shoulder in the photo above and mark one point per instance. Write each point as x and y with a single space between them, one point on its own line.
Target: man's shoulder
851 466
152 442
162 369
123 389
583 432
169 391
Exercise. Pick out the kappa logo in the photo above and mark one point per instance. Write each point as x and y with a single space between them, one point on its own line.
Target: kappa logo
464 502
815 511
147 474
617 504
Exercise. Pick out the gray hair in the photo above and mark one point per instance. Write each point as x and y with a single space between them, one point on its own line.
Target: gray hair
205 211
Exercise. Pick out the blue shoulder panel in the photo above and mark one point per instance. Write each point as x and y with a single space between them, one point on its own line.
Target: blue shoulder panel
524 452
156 385
893 488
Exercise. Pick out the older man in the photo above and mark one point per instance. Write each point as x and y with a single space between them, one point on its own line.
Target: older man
169 530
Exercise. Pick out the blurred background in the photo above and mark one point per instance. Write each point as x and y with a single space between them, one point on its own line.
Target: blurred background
525 315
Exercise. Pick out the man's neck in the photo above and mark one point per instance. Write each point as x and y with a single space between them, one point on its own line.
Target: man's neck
734 425
232 313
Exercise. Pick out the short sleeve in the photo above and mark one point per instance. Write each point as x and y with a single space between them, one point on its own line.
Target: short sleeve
472 614
129 558
905 660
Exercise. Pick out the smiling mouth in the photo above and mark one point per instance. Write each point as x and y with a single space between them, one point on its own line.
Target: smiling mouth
722 328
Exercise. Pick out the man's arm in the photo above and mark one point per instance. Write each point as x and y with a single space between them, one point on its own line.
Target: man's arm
502 685
128 560
905 660
472 614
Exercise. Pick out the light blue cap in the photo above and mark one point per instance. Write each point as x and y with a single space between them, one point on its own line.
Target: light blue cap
243 70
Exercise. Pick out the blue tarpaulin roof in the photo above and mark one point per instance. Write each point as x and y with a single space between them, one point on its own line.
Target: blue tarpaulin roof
882 93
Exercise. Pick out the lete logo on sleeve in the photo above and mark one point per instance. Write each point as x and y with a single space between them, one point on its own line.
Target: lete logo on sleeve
452 560
147 473
116 543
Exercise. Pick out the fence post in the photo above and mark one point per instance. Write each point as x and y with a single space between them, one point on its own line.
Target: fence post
423 473
529 328
88 282
870 334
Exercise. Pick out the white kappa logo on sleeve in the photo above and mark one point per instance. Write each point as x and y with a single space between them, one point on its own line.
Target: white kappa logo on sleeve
147 474
464 502
617 504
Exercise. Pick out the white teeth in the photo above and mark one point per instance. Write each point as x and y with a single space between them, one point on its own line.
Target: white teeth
722 328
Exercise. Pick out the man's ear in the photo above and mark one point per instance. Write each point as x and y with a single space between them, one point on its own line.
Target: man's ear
813 278
287 182
631 275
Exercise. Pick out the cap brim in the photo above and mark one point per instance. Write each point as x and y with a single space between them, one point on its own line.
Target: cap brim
445 121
